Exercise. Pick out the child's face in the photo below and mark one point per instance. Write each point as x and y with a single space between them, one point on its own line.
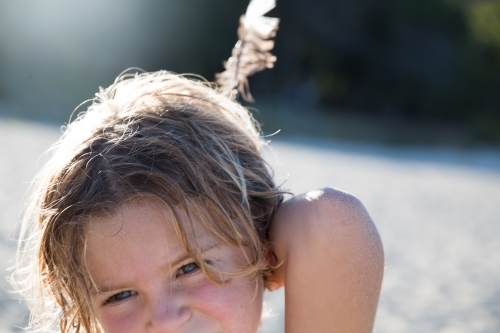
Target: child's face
148 283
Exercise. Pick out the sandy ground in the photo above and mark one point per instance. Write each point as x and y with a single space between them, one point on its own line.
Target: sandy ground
437 210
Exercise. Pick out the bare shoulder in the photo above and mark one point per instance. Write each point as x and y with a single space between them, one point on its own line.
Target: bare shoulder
323 214
332 260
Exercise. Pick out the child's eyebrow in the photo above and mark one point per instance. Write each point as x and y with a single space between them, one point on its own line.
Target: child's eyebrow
185 256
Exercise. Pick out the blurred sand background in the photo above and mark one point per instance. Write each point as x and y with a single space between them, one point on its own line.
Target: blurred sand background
437 210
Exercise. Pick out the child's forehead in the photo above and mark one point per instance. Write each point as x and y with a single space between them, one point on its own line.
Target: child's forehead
139 241
137 212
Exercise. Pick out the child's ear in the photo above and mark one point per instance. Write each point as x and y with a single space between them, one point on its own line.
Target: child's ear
271 258
271 281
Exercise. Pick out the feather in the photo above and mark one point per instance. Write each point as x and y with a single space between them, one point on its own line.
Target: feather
251 53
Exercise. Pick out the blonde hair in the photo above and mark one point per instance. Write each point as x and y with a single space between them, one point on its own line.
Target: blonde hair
150 135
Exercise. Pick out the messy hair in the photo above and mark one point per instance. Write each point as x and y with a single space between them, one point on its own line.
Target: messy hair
151 135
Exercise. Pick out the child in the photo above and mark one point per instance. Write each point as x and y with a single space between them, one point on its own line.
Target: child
156 213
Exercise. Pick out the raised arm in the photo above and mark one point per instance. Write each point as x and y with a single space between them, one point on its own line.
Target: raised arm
333 263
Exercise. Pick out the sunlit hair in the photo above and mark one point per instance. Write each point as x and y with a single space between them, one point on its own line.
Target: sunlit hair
152 135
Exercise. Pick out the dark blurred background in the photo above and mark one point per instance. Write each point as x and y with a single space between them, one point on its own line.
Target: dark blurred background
401 71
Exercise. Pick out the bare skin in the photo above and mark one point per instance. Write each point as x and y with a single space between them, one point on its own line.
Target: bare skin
332 267
148 283
332 263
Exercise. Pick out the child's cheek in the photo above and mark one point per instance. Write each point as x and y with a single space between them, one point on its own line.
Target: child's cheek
211 299
232 304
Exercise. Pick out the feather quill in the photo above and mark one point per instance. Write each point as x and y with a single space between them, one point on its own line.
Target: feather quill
251 53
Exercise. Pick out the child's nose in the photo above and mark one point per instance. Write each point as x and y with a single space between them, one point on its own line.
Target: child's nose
168 315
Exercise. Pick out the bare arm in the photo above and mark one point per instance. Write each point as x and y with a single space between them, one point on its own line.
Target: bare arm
333 263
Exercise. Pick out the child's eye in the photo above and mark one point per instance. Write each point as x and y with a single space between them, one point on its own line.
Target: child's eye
120 296
189 268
